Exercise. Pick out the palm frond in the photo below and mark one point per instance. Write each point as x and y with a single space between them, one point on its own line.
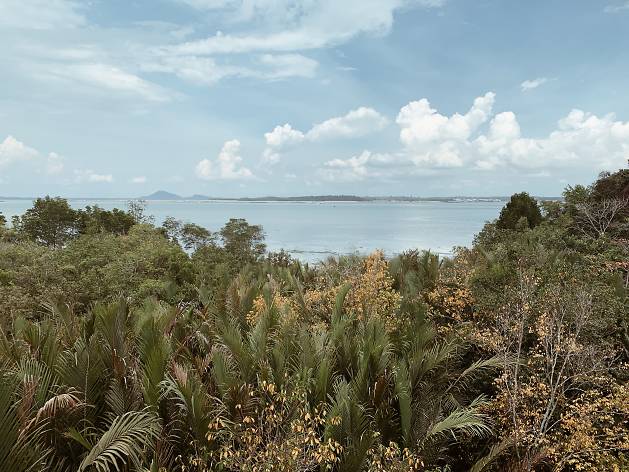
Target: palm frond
463 421
494 453
125 442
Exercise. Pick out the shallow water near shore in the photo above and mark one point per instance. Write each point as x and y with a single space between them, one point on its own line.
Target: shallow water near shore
312 231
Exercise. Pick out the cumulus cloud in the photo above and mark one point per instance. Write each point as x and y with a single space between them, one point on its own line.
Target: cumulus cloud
354 124
88 175
437 140
12 150
483 140
364 166
227 166
581 139
54 164
433 140
533 84
139 180
283 135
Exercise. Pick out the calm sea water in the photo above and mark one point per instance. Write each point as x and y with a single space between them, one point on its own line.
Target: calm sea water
314 230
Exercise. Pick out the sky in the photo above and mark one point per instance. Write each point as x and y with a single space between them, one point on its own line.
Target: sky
120 98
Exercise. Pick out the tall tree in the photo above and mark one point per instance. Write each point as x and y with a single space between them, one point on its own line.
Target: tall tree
51 222
244 242
521 205
94 219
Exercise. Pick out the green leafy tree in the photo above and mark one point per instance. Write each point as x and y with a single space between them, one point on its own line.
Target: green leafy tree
137 210
51 222
521 205
576 195
610 186
90 268
171 227
94 219
193 237
3 221
242 241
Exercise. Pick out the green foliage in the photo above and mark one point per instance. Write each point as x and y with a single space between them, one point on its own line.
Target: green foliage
93 267
51 222
123 442
126 347
521 211
576 195
137 210
128 387
94 219
191 236
609 186
243 242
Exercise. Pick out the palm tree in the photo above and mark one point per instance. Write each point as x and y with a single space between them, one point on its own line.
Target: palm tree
127 389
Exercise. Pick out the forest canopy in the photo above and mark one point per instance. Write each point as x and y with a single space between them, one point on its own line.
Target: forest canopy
128 346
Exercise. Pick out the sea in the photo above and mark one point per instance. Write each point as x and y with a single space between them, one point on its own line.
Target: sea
312 231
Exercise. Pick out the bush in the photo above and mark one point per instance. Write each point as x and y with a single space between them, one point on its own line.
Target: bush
521 205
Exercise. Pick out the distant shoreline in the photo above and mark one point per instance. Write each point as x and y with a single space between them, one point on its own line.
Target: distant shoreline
297 199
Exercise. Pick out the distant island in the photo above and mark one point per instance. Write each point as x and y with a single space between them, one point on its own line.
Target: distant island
163 195
169 196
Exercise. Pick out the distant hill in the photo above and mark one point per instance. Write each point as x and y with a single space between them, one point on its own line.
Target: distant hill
307 198
162 195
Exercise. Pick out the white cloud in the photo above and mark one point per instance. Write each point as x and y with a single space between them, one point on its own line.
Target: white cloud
483 140
298 26
207 4
617 7
89 175
139 180
533 84
282 136
436 140
583 139
354 124
364 166
54 164
12 150
207 71
111 78
40 14
287 65
227 166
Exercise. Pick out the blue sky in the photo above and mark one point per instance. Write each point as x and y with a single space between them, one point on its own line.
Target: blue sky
258 97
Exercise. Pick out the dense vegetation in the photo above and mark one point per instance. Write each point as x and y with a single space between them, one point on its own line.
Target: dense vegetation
126 346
